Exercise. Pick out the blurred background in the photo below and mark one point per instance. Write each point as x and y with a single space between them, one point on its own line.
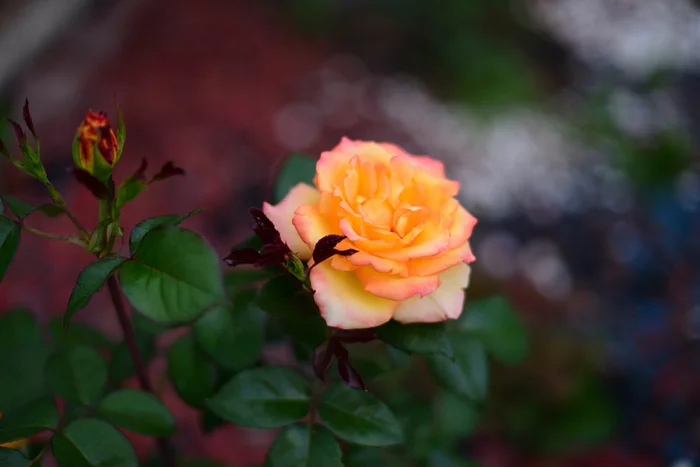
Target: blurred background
572 125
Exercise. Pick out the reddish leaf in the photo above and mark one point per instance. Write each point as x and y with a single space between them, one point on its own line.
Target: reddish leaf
92 183
325 248
350 376
168 170
21 137
274 250
321 359
140 173
244 256
266 229
28 118
350 336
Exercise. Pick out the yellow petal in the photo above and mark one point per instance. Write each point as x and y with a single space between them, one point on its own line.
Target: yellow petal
310 225
445 303
343 301
282 214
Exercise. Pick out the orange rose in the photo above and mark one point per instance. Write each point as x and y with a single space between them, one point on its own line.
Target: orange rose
398 210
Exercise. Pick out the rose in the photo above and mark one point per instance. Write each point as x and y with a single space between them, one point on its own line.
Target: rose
398 210
95 147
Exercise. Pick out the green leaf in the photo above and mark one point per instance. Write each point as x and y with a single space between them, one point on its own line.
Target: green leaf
456 417
445 459
77 334
17 327
121 366
22 209
90 280
296 446
173 277
142 228
284 299
242 276
99 235
36 416
265 397
416 417
232 336
128 190
423 339
9 241
493 321
209 421
50 210
22 356
296 169
77 374
19 208
193 376
466 374
361 456
137 411
12 458
359 417
145 327
90 442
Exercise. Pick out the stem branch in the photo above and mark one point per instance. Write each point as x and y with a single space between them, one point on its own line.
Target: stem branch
61 203
40 233
164 445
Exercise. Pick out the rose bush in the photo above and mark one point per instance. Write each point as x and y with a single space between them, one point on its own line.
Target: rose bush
382 236
399 211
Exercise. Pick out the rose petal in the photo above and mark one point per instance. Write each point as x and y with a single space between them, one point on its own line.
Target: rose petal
462 227
311 225
343 301
282 214
445 303
442 262
362 258
395 287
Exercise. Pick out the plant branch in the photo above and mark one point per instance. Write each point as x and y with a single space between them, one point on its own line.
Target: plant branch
164 445
314 404
40 233
61 203
38 457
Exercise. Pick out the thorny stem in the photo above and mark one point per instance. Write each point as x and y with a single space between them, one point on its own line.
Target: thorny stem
39 233
164 445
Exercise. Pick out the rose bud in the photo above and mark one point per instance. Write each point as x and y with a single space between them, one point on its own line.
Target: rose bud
95 148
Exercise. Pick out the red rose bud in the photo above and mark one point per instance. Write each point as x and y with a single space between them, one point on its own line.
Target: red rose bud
95 139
